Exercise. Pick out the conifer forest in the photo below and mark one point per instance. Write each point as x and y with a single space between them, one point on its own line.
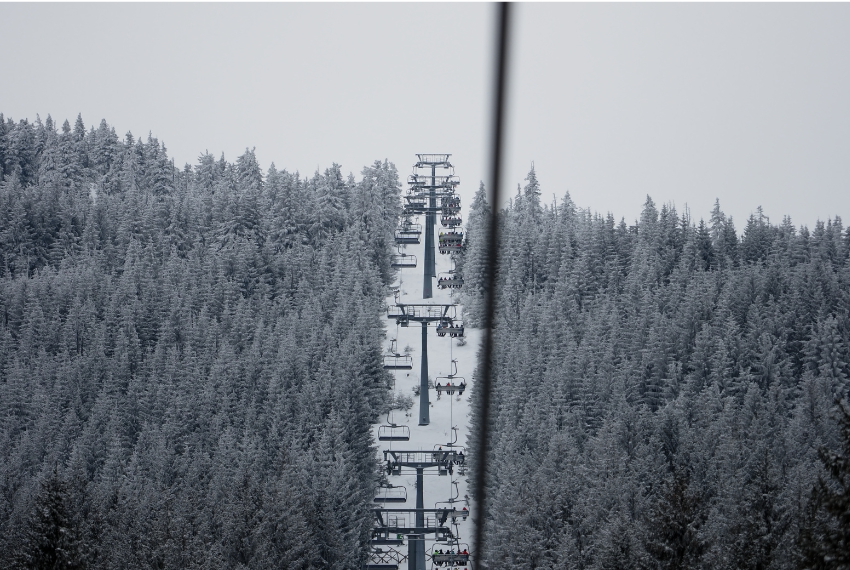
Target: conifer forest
193 363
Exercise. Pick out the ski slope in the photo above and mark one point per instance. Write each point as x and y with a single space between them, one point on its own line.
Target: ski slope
446 411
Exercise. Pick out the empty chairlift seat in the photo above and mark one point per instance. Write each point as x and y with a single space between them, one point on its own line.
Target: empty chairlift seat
393 433
408 234
391 495
398 362
403 260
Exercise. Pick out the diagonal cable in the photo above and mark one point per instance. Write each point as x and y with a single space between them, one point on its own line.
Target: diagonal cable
498 123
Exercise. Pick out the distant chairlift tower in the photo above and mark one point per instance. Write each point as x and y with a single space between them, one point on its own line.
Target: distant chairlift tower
426 188
445 318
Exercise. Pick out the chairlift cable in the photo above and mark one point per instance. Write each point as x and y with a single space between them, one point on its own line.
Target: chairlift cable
498 125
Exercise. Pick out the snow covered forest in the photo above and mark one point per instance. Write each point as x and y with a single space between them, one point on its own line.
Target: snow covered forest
191 366
190 359
663 390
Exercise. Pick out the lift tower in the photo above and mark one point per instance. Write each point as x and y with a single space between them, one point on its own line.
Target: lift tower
426 188
445 316
392 522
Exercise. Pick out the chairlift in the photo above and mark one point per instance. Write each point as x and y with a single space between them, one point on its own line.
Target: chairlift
450 238
447 326
454 554
391 494
449 280
403 260
393 432
408 234
450 221
450 248
450 384
397 361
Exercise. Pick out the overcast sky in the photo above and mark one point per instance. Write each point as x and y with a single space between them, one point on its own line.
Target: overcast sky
747 103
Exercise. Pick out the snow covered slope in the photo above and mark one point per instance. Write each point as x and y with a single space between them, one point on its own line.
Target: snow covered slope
446 411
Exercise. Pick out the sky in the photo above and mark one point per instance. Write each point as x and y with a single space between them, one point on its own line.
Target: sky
686 103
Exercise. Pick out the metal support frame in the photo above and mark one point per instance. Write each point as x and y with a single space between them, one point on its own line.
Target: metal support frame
424 401
430 224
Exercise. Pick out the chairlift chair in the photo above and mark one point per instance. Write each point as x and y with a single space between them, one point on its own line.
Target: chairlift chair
449 327
449 280
451 248
397 361
450 221
450 238
450 384
391 494
450 555
393 432
408 234
403 260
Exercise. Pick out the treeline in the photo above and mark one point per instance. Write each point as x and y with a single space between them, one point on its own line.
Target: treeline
189 358
664 394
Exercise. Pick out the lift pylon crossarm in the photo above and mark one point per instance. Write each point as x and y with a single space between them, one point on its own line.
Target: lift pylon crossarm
418 180
422 459
387 542
433 159
441 515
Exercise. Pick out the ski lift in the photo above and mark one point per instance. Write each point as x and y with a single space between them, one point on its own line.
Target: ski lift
392 494
454 554
451 238
393 432
450 221
451 248
403 260
450 384
408 234
394 360
397 361
387 541
449 280
444 460
447 326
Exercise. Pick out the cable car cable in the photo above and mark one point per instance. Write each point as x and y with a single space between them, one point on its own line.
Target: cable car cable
502 37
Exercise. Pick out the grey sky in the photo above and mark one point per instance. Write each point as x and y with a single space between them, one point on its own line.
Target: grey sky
748 103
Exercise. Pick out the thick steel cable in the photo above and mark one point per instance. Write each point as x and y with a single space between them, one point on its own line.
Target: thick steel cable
484 388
